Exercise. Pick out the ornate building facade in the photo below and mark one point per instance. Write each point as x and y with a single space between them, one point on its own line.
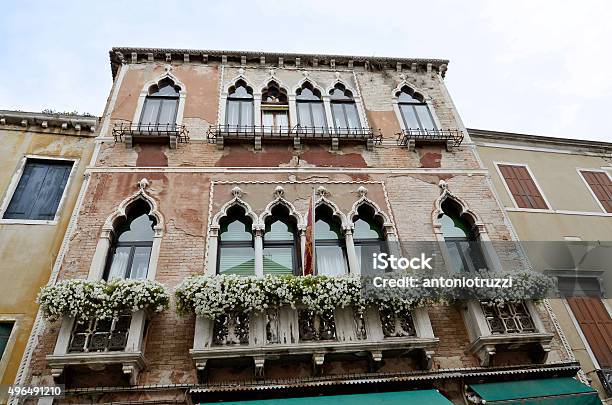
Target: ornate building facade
209 163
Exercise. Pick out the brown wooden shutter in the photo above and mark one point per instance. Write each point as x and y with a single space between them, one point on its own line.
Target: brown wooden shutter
522 187
596 326
602 187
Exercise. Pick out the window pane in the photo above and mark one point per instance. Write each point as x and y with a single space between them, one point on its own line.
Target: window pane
278 260
141 230
246 113
282 119
237 260
150 111
168 112
119 262
366 230
236 231
233 112
279 231
140 262
267 118
352 115
5 334
330 261
338 114
425 117
410 120
324 230
318 115
39 191
454 228
304 114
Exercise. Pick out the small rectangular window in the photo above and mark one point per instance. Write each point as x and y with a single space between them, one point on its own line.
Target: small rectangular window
40 190
522 186
5 333
601 185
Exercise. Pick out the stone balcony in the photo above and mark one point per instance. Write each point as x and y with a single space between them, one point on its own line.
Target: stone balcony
411 138
287 332
509 327
131 133
99 344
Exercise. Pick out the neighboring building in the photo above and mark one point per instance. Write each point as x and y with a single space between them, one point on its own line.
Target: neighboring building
560 190
42 164
207 164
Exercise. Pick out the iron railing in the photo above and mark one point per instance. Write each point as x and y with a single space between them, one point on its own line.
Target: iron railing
121 129
429 135
228 131
605 376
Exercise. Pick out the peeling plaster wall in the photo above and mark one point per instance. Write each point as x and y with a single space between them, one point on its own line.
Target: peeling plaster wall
28 252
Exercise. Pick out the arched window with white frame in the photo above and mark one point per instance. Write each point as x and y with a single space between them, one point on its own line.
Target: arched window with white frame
236 249
131 243
344 109
414 110
161 105
310 107
240 106
280 243
368 233
330 244
274 109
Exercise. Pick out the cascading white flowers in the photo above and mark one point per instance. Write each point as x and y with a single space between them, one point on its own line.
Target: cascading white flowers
99 299
213 296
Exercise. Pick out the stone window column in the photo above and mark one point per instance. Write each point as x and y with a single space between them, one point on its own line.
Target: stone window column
258 242
213 243
353 263
328 113
96 269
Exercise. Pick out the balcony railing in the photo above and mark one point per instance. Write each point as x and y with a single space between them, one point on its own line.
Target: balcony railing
410 137
510 326
289 332
605 376
258 133
100 343
135 132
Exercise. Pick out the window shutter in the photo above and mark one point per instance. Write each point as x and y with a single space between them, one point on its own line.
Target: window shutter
596 326
39 191
522 187
5 334
601 185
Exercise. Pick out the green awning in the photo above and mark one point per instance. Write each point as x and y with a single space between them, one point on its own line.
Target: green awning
429 397
558 391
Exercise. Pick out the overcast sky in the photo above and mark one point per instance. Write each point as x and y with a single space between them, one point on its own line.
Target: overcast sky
530 66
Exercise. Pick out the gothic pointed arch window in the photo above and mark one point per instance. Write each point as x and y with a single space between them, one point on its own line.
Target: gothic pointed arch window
236 250
414 110
131 243
280 250
330 246
310 109
161 104
344 109
239 111
460 238
368 234
275 108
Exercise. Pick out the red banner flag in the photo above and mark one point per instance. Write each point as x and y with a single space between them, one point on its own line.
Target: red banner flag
309 254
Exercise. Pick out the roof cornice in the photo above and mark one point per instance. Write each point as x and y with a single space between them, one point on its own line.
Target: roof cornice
123 55
25 119
538 140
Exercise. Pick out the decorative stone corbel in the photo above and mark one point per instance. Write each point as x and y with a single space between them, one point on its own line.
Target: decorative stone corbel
427 359
201 370
322 192
237 192
362 191
259 367
279 192
485 355
317 363
131 372
335 143
375 360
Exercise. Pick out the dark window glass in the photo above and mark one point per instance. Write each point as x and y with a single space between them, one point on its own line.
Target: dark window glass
130 252
239 106
236 251
330 253
161 105
280 255
5 334
461 242
311 112
40 190
414 110
273 94
368 236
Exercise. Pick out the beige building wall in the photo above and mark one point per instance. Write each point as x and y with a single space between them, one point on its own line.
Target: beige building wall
29 250
573 209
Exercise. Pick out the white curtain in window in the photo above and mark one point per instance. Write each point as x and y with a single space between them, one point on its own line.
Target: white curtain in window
119 264
330 261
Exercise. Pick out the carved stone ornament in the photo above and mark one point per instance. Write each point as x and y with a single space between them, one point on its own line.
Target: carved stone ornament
279 192
322 192
143 184
362 191
237 192
443 185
